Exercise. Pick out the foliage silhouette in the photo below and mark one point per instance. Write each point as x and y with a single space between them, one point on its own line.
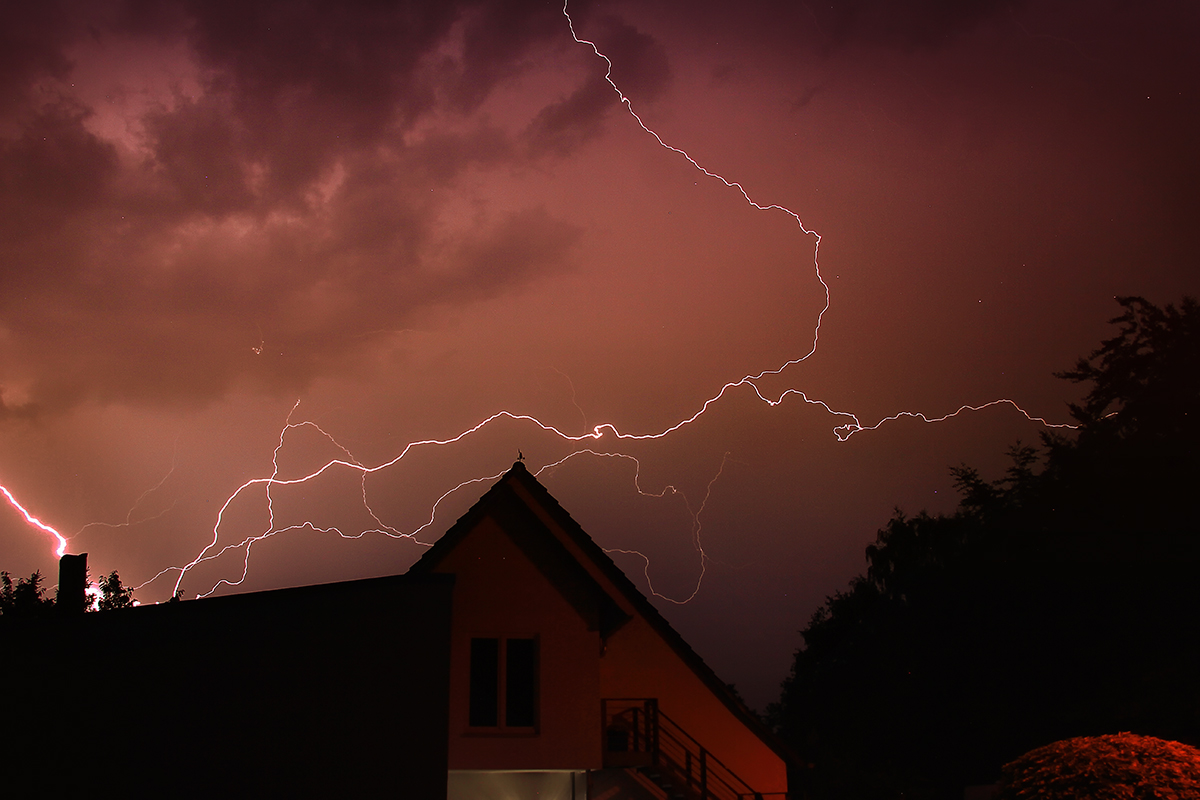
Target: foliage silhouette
26 599
113 594
1056 601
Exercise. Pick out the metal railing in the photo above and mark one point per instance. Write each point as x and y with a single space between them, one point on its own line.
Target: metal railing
637 734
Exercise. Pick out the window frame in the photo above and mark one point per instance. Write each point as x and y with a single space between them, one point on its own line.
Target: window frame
503 691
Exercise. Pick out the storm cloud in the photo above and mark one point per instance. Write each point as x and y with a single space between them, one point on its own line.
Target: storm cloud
276 190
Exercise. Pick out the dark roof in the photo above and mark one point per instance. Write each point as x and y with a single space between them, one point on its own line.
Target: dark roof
280 694
501 495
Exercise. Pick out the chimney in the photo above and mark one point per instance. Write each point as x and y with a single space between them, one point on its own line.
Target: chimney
72 584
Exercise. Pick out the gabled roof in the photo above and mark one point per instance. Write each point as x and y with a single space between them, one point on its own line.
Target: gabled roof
599 610
504 503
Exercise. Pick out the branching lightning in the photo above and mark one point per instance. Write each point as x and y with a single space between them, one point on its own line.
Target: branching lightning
129 521
848 424
696 541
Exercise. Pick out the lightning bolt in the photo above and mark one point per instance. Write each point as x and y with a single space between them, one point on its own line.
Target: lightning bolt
848 424
36 523
696 541
129 521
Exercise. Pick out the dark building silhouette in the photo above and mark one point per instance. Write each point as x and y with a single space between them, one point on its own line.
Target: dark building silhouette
513 660
296 692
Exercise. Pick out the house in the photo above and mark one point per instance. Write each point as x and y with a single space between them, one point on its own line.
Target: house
513 660
563 674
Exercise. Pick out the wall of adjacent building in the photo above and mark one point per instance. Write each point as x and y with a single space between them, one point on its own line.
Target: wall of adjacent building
639 663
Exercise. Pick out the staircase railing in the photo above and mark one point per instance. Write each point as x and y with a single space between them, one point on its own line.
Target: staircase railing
638 734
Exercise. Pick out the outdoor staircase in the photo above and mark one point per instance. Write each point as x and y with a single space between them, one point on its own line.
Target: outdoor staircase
664 759
663 782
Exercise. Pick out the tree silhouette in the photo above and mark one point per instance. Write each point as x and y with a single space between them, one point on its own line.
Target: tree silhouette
25 599
1047 606
1133 463
113 594
1144 380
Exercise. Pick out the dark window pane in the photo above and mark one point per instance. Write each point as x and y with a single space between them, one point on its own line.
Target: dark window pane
520 690
485 683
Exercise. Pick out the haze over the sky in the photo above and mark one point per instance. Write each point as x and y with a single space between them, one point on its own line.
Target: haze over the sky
394 220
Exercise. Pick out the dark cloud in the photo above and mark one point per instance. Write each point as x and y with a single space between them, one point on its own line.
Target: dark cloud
55 179
307 81
196 341
443 156
31 41
640 64
640 68
524 245
200 155
56 166
495 40
913 24
289 200
183 328
561 127
290 87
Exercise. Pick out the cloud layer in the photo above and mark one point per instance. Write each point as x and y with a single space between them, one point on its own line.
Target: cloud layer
199 195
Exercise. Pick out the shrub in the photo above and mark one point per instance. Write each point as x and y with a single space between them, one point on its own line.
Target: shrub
1122 766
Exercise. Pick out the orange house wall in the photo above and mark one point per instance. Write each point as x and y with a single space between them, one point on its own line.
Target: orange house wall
499 592
638 663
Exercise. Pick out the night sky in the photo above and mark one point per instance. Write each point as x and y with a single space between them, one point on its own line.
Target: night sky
388 222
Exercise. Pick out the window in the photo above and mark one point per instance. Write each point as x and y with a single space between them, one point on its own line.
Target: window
485 683
520 688
504 683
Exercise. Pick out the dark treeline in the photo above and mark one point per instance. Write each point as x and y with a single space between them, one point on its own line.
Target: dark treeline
1062 599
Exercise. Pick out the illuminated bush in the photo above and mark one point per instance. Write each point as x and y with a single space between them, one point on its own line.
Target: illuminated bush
1123 766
